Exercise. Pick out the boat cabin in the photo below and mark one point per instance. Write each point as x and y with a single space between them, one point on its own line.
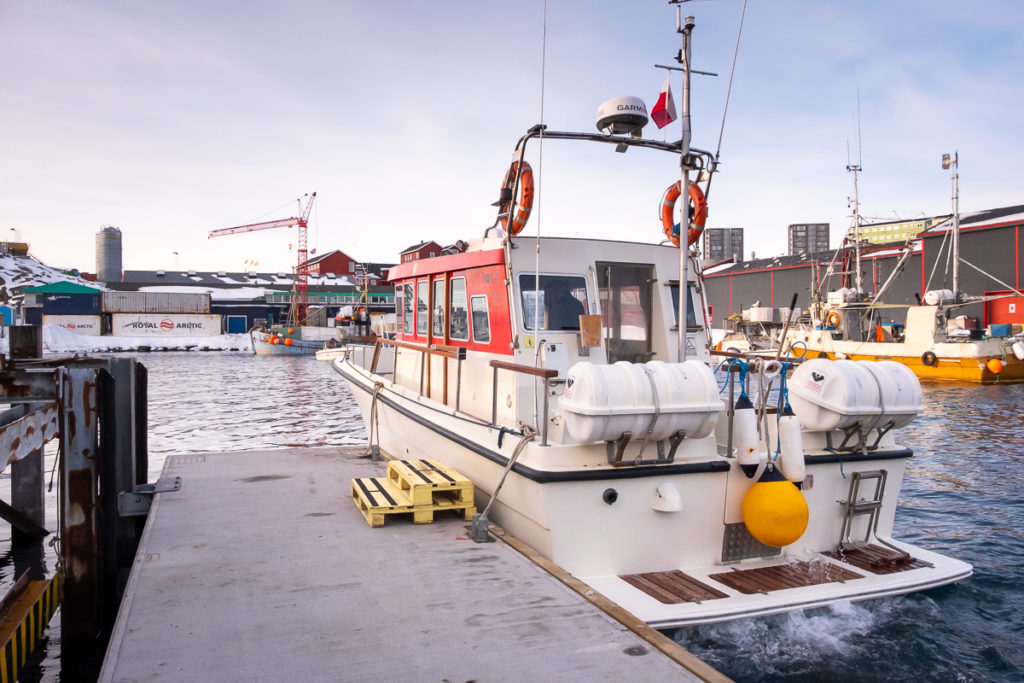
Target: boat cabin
590 300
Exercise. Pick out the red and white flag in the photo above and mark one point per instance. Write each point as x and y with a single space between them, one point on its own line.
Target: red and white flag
664 110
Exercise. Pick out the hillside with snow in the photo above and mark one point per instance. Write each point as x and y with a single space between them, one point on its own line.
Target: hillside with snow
19 272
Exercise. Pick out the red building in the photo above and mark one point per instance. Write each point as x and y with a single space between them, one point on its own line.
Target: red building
420 251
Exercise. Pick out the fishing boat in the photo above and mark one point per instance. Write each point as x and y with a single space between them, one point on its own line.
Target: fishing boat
571 380
936 340
282 340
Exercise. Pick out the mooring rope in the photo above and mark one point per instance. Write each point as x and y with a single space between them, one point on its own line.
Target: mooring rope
528 435
374 419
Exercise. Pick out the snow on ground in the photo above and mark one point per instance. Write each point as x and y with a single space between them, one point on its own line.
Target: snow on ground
57 340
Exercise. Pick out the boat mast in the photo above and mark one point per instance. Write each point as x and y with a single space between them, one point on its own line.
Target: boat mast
859 284
684 28
948 162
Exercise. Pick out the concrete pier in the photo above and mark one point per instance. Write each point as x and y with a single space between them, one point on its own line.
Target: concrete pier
261 568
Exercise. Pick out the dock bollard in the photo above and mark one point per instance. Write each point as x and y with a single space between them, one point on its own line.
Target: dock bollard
478 529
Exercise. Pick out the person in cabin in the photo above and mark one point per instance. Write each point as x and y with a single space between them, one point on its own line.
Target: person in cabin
563 309
364 322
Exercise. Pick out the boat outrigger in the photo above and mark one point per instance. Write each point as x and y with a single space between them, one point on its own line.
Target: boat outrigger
558 375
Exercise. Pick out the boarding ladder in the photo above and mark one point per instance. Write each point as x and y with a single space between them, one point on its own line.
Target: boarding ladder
856 506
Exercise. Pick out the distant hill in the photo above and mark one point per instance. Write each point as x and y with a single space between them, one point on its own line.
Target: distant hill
19 272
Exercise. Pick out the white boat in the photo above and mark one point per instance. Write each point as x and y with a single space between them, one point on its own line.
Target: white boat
595 431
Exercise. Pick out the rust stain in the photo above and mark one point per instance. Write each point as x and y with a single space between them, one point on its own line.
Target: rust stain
10 388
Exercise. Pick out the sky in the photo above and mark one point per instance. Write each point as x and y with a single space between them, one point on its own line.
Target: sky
172 119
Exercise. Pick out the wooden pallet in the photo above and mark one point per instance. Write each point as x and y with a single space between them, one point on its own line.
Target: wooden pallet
425 481
377 497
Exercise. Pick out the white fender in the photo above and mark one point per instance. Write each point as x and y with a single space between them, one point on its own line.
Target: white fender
791 459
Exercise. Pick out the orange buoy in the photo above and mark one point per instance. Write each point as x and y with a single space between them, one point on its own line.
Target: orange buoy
288 342
273 339
994 365
291 331
700 213
524 204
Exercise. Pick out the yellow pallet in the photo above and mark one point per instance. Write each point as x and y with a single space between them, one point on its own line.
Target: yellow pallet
376 497
425 481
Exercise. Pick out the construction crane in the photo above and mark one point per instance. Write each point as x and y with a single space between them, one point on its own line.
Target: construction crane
302 268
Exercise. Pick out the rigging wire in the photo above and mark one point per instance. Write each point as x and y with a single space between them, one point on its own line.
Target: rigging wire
728 92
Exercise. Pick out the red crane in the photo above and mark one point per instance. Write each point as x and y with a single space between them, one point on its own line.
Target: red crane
302 268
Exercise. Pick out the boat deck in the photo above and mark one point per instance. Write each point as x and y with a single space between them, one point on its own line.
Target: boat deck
261 568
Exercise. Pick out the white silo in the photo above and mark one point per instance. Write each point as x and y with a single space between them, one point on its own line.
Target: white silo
108 254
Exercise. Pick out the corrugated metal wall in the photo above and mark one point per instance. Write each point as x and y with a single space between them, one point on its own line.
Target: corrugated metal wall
155 302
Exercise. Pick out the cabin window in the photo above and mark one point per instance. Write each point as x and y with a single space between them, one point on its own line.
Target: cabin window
407 309
481 323
626 304
458 328
691 318
438 326
562 299
421 308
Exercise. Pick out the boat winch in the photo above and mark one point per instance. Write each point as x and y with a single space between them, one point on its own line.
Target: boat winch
650 401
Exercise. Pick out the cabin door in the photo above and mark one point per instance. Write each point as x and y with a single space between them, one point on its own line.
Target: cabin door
625 291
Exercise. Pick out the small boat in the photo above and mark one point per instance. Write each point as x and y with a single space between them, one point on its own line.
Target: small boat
571 380
284 340
934 342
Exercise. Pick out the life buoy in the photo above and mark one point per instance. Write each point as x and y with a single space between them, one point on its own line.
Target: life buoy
524 204
700 212
929 358
832 319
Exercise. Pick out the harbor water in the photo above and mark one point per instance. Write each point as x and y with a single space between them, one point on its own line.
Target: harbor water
961 497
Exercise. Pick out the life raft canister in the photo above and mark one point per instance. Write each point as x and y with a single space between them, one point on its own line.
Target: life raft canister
524 203
699 206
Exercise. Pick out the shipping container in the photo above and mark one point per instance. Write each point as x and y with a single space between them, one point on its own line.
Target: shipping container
164 325
79 324
156 302
71 304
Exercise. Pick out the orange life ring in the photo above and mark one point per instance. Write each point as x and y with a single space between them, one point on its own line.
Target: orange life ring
524 204
832 319
700 212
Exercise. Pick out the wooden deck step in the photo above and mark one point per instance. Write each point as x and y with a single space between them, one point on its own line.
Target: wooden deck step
672 587
878 560
779 577
423 481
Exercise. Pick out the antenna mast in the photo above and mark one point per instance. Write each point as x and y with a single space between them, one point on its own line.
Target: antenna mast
686 29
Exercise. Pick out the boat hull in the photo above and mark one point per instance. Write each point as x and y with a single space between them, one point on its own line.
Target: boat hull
262 346
566 512
965 362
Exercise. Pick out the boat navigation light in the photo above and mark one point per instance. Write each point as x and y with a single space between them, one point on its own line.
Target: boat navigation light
622 116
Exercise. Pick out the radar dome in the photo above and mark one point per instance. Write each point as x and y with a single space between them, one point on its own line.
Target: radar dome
622 116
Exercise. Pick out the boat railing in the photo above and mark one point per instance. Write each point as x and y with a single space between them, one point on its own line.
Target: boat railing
458 354
440 350
543 373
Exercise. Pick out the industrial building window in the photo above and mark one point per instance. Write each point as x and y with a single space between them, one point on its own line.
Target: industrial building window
458 328
481 323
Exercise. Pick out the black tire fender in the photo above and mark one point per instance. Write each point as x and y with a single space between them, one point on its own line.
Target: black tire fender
929 358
